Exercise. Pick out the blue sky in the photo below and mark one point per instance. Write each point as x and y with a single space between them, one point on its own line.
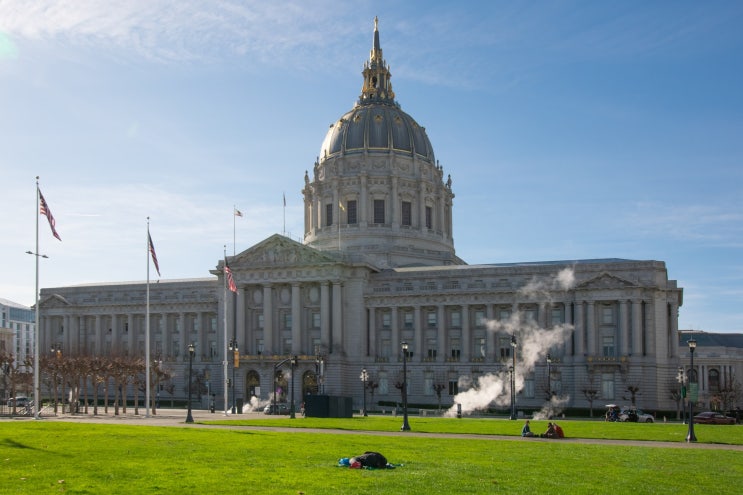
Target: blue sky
571 130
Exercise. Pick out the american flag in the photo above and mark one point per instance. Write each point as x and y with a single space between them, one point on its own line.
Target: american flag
230 279
152 252
44 210
238 213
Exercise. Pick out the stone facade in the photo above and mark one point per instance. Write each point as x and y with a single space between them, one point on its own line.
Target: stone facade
378 267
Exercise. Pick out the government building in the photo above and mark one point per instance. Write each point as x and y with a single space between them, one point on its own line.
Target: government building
377 267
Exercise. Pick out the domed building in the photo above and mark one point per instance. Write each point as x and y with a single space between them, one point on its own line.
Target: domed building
377 287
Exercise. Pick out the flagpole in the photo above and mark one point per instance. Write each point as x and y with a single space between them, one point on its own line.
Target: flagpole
147 328
234 222
284 231
37 389
224 316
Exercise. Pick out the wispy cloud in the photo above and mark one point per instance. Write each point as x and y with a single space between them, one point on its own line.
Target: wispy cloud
169 30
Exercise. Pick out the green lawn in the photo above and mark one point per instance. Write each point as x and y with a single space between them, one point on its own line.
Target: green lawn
57 457
659 432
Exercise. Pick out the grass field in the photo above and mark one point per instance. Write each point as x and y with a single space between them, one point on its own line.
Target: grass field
61 457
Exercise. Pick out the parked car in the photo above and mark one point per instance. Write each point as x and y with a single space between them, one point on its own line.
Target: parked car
18 402
280 408
713 418
635 415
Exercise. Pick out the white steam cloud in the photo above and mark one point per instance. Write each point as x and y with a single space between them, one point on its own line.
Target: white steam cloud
533 343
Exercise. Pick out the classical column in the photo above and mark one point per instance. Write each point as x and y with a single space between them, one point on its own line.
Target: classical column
269 339
466 341
325 315
337 318
673 329
441 334
422 206
394 329
98 336
131 334
490 335
67 345
623 328
373 333
591 328
395 219
580 333
296 320
363 199
418 331
115 335
637 328
241 328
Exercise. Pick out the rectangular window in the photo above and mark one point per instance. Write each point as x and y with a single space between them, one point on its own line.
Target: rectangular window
352 212
429 217
607 345
504 314
530 315
455 349
408 319
379 211
329 214
504 344
384 383
557 317
529 388
432 348
212 348
386 349
453 387
259 346
431 317
287 346
607 315
428 383
481 349
480 319
287 321
607 386
386 320
456 319
260 321
407 213
315 320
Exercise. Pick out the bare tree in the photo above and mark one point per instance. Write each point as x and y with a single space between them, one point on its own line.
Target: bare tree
590 392
634 392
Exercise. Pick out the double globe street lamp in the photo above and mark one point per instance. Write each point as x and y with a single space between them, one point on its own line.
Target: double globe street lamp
364 377
191 352
405 424
690 437
512 369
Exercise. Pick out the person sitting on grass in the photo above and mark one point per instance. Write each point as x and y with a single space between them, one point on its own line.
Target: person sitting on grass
558 431
526 430
550 433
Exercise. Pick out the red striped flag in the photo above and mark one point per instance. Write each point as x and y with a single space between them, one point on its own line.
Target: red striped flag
44 210
230 280
152 252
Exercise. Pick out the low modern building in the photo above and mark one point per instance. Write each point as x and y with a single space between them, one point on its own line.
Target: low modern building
378 268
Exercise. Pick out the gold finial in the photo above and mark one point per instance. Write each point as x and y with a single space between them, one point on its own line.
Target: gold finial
376 20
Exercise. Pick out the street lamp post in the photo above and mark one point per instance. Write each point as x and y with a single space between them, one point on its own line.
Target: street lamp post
292 414
690 437
191 351
233 350
405 424
513 377
549 377
364 377
682 394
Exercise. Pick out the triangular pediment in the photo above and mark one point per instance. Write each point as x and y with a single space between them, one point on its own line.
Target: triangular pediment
53 301
606 280
278 250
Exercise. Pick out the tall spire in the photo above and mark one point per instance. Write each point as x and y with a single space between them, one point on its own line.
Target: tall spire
377 87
